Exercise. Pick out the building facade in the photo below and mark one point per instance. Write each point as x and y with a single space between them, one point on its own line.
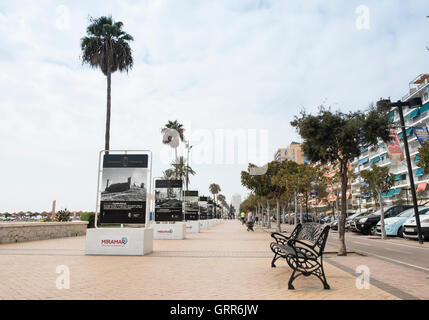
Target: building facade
292 153
400 192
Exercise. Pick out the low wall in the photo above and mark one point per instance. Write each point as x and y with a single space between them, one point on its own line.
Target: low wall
30 231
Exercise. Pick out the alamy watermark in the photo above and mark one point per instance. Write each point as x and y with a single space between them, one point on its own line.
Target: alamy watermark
363 279
63 280
220 146
363 21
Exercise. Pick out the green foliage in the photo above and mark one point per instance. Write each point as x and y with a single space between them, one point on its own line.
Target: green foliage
181 169
175 125
62 216
45 220
106 46
214 188
337 136
423 161
378 180
90 217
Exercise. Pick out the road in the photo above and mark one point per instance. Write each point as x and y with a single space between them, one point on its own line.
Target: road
405 252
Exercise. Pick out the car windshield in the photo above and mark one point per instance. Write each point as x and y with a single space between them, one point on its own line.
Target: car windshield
410 212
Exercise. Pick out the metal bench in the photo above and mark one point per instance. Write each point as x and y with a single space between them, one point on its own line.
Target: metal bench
303 251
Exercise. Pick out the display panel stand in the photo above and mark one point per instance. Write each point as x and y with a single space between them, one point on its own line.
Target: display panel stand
193 226
122 241
204 224
119 241
169 231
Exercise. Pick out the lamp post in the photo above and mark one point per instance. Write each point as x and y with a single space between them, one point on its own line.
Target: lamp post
412 103
188 147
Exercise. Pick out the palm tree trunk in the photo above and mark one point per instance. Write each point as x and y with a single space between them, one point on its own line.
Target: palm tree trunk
342 251
109 105
278 215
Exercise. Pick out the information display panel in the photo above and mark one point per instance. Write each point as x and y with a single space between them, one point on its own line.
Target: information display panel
124 189
192 209
168 200
202 203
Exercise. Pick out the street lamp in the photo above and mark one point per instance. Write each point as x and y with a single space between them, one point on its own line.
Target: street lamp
188 147
411 103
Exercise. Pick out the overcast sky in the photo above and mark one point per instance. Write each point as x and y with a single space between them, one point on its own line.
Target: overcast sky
243 65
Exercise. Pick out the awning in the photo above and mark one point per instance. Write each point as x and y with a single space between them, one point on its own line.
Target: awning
397 191
422 186
363 161
366 195
420 172
409 130
388 194
416 158
424 108
332 199
414 114
400 177
330 174
400 135
391 115
374 160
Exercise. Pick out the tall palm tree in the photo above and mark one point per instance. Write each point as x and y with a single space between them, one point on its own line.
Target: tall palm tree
182 170
214 190
175 125
107 47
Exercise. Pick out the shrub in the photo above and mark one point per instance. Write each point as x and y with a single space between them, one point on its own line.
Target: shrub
45 220
88 216
62 216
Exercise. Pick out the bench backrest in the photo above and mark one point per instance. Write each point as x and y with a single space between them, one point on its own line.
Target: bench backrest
314 233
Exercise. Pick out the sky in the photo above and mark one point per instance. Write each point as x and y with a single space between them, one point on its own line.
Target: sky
234 72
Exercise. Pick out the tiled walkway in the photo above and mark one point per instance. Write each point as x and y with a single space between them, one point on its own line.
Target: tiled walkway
225 262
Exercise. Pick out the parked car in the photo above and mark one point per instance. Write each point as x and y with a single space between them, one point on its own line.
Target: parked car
394 225
410 227
350 218
334 225
355 219
368 224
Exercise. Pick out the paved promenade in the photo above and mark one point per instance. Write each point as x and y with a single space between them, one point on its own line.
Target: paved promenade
225 262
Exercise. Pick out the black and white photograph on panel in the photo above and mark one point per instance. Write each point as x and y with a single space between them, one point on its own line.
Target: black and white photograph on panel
168 200
190 198
124 189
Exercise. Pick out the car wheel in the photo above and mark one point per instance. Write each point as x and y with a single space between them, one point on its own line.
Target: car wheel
400 232
373 230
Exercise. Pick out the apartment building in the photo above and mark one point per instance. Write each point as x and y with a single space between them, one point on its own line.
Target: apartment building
417 117
293 153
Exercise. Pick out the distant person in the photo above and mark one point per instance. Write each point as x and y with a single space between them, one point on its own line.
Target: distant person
249 215
243 217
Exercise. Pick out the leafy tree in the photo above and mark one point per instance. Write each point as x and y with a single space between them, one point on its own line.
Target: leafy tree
423 161
336 138
178 127
107 47
282 183
260 185
378 181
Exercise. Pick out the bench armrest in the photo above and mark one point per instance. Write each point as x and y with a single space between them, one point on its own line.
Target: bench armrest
280 238
302 248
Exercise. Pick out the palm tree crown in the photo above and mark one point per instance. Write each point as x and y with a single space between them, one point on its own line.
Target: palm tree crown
106 46
182 170
176 126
